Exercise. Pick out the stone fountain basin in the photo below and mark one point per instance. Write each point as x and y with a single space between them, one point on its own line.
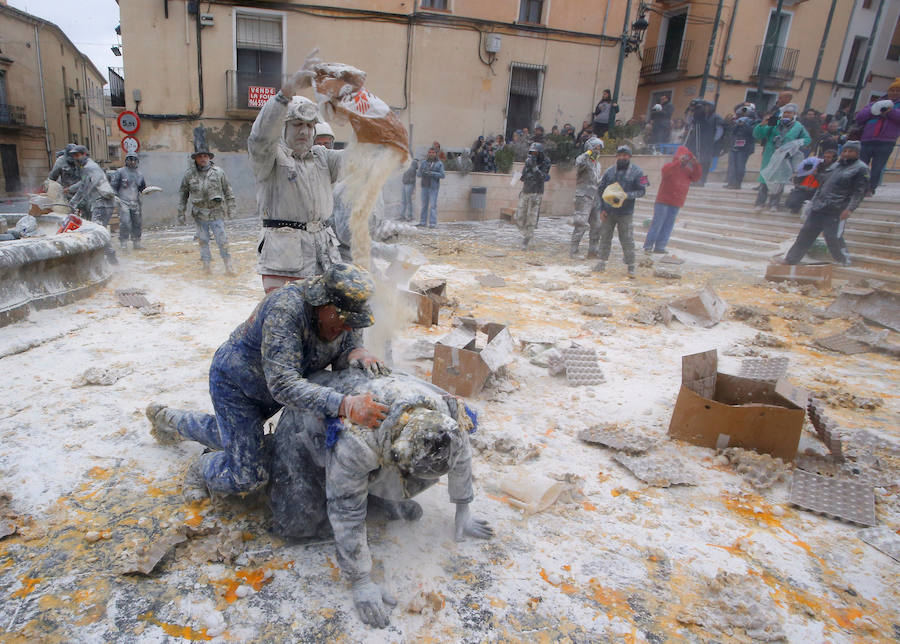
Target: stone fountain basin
51 269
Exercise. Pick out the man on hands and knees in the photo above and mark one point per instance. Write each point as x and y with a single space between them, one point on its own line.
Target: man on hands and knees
295 331
841 192
327 473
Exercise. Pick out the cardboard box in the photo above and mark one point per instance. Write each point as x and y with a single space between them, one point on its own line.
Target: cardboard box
428 296
461 367
817 273
719 410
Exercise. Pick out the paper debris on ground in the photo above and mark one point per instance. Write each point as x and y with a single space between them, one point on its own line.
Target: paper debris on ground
657 469
620 438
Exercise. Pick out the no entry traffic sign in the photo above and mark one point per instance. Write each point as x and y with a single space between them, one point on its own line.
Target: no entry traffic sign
130 144
128 122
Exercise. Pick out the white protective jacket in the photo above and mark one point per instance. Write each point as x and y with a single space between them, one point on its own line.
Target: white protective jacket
292 189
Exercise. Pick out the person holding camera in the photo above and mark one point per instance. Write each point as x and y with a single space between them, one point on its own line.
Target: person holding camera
742 144
535 173
706 130
880 121
777 131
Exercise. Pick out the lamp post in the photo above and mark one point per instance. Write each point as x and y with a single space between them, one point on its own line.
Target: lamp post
630 42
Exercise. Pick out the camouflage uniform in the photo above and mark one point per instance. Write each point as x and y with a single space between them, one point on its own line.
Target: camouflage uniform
93 193
263 367
211 200
128 184
634 182
535 173
588 173
65 171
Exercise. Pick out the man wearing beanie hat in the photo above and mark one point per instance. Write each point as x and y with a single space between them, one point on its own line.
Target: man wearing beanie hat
842 190
298 329
880 121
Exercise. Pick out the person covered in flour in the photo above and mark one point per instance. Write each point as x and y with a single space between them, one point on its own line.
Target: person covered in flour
326 473
294 181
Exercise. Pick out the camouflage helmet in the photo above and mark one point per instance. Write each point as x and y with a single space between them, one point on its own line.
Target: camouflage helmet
536 147
301 108
593 142
348 288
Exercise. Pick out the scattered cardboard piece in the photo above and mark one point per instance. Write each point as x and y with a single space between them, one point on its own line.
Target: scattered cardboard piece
462 368
705 309
582 366
818 274
857 338
836 498
666 273
618 438
876 305
768 369
529 491
144 561
656 469
134 297
428 297
870 442
490 280
596 311
718 410
494 253
884 539
671 259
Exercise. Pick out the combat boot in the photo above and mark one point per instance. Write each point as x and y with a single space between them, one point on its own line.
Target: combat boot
123 244
136 245
600 267
631 271
193 485
593 251
573 249
206 268
162 425
526 242
229 267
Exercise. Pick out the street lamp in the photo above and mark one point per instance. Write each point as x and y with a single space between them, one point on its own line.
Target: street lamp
631 40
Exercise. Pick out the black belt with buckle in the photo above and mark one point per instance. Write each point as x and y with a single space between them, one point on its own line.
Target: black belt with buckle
283 223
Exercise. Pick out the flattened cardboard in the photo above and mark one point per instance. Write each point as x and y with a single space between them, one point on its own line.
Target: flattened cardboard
720 410
879 306
462 368
705 309
815 273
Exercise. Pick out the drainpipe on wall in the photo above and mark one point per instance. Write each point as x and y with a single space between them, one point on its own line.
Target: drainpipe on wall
863 71
725 52
37 46
815 74
712 47
615 96
767 46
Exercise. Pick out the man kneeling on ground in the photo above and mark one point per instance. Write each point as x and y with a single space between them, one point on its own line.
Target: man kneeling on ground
327 471
298 329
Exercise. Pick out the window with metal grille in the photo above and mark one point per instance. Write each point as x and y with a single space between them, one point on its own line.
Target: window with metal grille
259 47
526 80
531 11
436 4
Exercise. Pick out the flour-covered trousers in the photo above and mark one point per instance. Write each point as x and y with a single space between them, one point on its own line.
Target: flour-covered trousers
207 228
625 225
242 404
130 221
528 212
409 189
586 217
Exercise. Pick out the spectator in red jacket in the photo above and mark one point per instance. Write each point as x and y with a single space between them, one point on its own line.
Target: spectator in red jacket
677 176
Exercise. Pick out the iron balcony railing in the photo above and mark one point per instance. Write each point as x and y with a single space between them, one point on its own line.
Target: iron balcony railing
775 64
250 90
12 114
663 60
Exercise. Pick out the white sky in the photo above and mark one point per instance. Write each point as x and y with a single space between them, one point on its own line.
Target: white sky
90 24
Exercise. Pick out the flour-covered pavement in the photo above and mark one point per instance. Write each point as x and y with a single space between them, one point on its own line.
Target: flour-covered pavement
613 560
